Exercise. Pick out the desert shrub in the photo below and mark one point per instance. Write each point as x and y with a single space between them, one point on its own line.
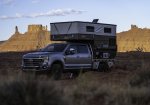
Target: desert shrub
90 95
142 76
83 91
128 65
90 92
141 79
30 92
110 95
139 96
132 96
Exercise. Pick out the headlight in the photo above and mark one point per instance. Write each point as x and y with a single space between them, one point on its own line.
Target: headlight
46 58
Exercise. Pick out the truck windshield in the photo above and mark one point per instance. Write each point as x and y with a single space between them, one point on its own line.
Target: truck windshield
54 48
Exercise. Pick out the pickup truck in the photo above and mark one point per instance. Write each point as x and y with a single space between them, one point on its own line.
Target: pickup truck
64 57
84 46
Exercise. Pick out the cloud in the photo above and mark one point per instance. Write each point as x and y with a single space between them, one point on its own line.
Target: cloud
56 12
7 2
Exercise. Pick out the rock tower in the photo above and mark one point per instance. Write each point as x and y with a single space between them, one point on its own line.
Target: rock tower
36 37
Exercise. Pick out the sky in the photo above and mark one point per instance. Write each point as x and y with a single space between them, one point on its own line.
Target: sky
21 13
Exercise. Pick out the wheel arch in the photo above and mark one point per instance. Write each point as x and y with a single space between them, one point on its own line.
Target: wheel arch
58 62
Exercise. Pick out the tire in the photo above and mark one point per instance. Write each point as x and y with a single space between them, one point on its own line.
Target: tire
56 71
103 67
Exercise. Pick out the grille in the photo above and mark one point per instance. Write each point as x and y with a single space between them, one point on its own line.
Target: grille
33 62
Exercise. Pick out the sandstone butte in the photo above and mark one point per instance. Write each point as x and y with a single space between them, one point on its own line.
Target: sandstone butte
37 36
135 39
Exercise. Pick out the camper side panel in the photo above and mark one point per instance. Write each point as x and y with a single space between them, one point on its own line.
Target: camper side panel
64 28
97 29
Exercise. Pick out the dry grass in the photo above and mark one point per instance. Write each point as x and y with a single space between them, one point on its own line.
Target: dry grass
127 84
30 91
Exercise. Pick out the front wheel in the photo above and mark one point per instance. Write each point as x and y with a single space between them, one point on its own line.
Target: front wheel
103 66
56 71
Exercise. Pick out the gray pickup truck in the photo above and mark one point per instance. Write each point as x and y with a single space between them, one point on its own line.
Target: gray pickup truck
92 48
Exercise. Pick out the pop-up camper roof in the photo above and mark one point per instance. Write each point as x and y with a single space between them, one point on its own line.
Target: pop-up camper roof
78 30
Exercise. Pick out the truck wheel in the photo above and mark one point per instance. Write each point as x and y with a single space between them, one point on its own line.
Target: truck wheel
103 67
106 67
56 71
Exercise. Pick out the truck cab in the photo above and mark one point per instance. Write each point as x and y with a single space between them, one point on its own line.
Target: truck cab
69 55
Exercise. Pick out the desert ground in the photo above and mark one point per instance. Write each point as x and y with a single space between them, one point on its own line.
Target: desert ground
128 83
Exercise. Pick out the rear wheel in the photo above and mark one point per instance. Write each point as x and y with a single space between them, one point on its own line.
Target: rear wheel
103 67
56 71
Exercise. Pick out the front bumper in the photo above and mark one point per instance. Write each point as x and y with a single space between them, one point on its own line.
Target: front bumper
35 68
35 64
42 66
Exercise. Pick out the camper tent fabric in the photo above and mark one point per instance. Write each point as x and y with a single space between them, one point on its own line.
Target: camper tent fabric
76 27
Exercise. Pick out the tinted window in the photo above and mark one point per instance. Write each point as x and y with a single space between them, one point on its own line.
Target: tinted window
54 48
82 49
89 28
107 30
72 46
79 48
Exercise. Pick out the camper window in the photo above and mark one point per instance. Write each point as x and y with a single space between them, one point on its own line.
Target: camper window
89 28
107 30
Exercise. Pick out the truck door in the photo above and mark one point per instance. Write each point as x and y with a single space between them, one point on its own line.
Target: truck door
84 56
81 58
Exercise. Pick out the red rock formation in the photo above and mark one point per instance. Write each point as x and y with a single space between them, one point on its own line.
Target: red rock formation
136 39
36 37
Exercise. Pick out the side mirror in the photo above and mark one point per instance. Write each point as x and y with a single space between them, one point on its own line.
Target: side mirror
71 51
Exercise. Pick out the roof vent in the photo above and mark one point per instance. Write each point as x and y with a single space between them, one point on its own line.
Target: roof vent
95 20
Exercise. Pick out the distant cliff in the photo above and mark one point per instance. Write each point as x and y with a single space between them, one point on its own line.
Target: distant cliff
135 39
36 37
